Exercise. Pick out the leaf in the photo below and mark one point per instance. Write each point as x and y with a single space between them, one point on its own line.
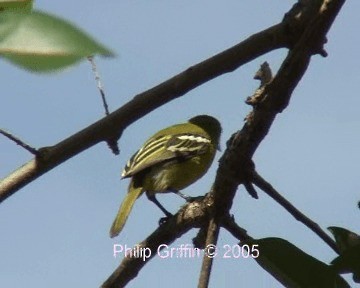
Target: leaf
344 238
349 262
40 42
294 268
16 5
349 246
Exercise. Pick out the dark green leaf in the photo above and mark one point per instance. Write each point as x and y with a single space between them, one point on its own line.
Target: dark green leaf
293 267
349 246
344 238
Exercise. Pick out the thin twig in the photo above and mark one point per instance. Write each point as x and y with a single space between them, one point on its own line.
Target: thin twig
240 233
20 142
251 190
268 189
99 84
112 142
210 249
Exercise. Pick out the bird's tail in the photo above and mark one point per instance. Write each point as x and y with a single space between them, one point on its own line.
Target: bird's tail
125 209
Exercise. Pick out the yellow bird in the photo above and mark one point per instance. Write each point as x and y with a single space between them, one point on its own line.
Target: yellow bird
169 161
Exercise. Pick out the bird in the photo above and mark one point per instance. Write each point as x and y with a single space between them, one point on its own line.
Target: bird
169 161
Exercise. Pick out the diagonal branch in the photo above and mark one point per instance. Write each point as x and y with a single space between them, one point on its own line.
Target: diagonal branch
19 142
240 233
235 165
112 126
211 241
268 189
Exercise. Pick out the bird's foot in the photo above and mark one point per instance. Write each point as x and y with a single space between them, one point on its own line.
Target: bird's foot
187 198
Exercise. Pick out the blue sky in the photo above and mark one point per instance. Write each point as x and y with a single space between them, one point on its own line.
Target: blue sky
54 232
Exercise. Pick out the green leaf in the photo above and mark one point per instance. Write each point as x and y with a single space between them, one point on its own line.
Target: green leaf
344 238
294 268
41 43
16 5
349 262
348 243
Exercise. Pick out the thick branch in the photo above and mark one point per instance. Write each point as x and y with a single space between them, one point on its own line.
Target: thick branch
112 126
235 164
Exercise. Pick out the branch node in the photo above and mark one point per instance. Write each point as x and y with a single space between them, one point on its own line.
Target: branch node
251 190
264 74
228 222
113 146
44 153
200 238
323 52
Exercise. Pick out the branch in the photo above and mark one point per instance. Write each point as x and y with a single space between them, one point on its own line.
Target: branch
99 84
235 165
19 142
268 189
112 126
236 161
240 233
112 142
211 241
194 214
311 20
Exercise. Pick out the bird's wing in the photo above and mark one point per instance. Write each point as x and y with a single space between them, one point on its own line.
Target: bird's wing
166 148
